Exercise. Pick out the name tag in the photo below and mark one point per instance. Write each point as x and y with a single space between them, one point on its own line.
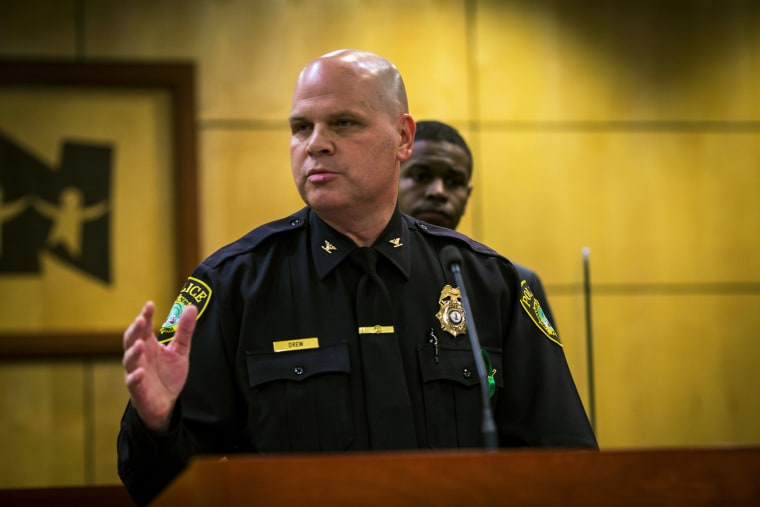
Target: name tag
298 344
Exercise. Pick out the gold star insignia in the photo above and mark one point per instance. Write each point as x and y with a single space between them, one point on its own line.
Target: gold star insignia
329 247
396 242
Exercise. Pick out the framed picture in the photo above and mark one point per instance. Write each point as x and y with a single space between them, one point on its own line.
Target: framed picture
98 200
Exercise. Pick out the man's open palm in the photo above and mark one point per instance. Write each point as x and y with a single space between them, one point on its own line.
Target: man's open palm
155 373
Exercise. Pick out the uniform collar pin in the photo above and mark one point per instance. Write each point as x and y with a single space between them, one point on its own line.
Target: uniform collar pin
329 247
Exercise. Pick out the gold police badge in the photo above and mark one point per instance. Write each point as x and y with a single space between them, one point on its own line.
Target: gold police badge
451 312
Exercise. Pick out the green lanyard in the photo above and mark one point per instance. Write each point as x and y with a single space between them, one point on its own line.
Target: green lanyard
492 372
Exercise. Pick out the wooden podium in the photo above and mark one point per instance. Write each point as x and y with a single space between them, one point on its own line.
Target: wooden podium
667 477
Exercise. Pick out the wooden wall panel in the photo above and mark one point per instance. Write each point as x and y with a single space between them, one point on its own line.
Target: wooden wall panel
569 315
251 52
596 60
109 398
247 181
41 429
653 207
677 370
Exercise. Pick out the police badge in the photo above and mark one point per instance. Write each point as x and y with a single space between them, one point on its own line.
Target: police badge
451 312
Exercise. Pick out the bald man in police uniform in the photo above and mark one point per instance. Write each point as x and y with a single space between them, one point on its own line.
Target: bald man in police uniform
264 351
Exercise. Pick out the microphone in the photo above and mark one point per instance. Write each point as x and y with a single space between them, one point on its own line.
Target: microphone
451 258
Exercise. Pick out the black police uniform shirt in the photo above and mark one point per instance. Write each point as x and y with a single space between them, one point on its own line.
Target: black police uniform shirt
289 282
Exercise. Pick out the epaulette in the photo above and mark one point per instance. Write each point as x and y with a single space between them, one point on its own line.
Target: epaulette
444 232
258 235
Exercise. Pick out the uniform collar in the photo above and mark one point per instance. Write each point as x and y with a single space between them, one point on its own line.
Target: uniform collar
329 247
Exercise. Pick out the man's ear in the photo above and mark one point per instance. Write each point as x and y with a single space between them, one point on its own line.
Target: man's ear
406 138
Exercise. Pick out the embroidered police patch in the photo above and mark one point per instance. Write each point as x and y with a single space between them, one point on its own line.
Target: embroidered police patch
195 292
533 308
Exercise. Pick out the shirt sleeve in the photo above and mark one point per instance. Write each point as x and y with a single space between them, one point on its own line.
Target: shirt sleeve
206 418
540 406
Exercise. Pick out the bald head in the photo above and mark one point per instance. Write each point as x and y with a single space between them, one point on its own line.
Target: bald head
367 69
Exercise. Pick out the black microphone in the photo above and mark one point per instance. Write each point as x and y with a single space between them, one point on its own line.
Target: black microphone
452 260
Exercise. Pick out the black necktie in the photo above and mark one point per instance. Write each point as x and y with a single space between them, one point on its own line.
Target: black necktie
389 410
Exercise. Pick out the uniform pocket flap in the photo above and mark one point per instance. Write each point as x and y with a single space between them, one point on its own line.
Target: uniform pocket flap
297 365
455 365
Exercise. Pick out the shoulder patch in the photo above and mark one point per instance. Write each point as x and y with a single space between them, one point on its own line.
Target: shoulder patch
195 292
533 308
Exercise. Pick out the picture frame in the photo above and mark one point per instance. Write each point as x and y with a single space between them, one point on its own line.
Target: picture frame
155 101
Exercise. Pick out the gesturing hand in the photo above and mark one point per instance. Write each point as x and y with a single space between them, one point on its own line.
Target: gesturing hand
154 373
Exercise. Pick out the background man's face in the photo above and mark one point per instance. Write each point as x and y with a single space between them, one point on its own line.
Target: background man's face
435 183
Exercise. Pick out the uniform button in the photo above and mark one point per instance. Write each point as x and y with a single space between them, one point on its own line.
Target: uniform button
423 226
298 370
466 373
295 221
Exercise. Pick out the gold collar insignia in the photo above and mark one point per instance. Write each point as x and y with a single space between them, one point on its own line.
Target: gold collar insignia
329 247
396 242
